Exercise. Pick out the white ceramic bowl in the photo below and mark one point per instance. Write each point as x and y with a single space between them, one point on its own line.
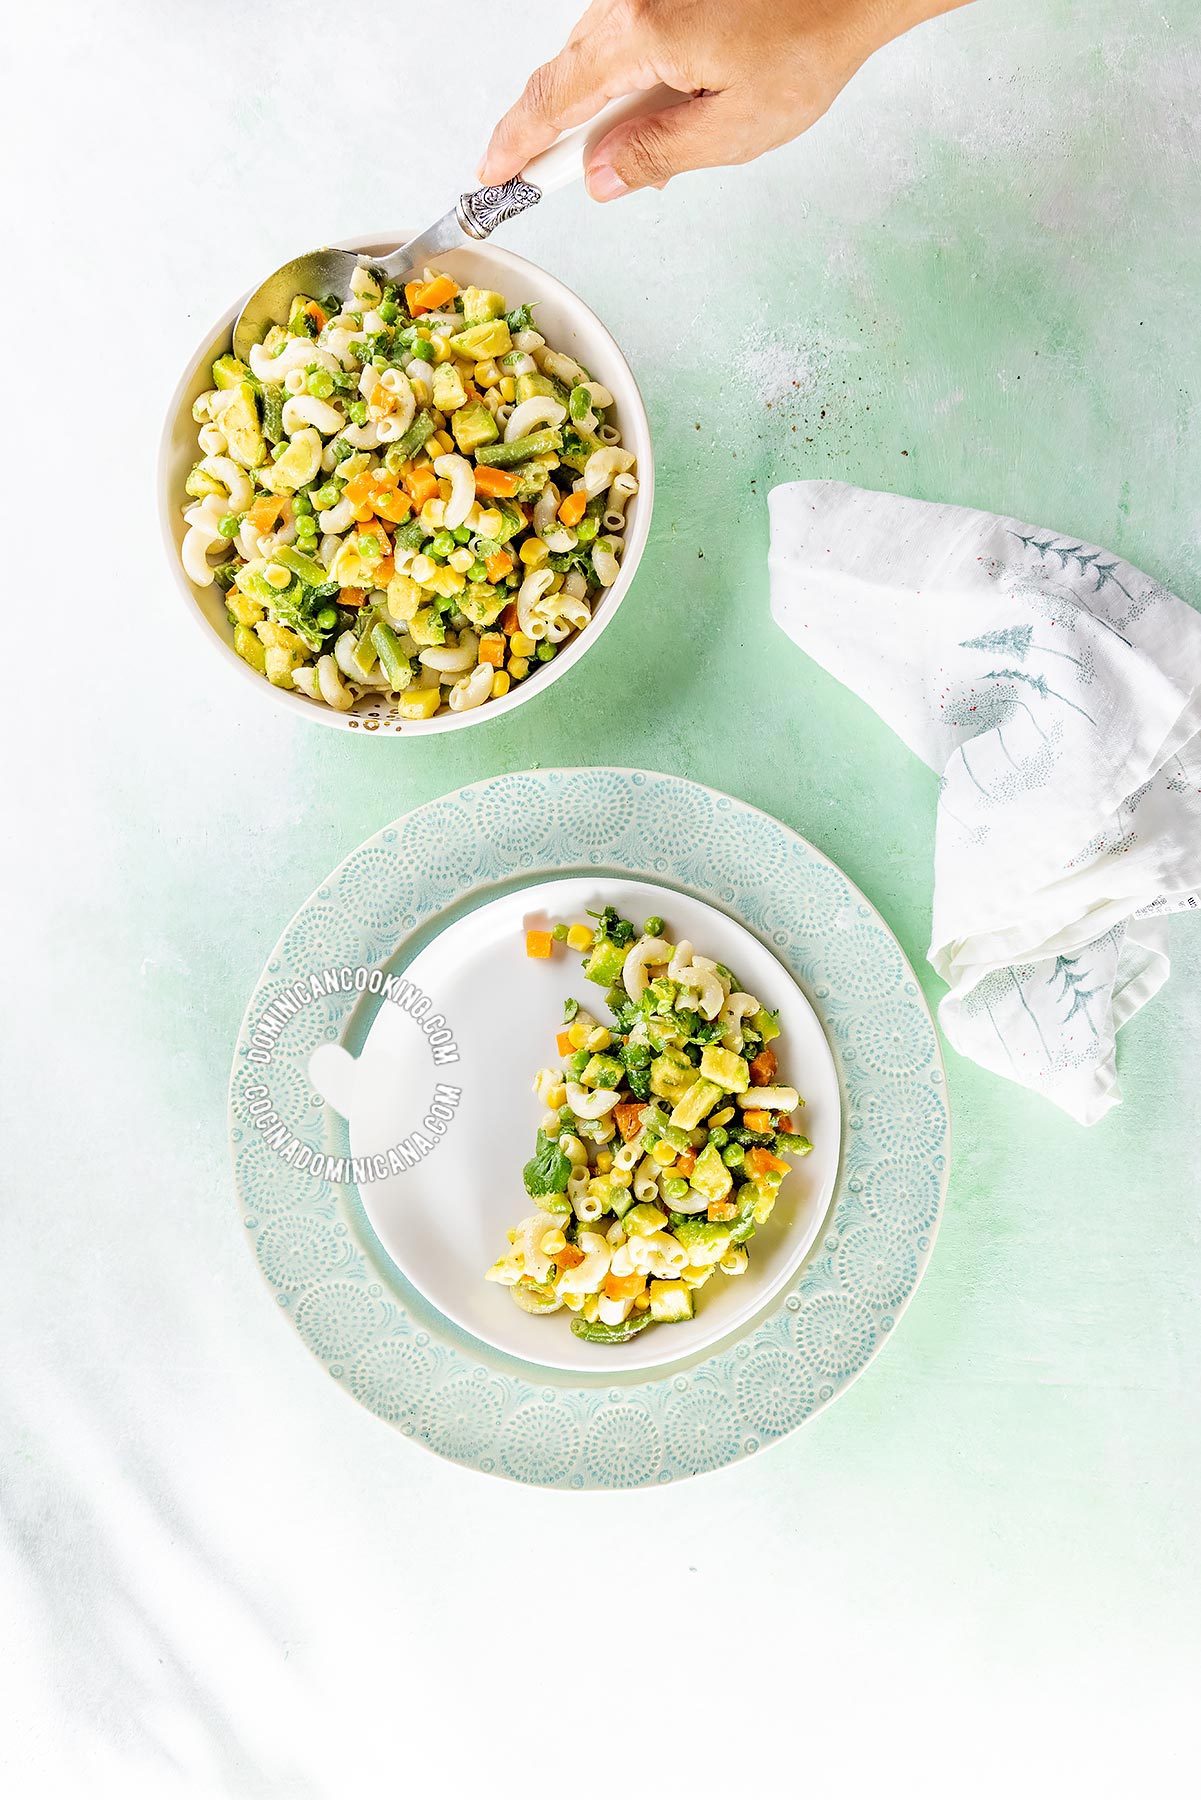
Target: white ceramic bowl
567 324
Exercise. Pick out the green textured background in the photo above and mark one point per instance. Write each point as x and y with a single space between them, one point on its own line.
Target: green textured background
976 281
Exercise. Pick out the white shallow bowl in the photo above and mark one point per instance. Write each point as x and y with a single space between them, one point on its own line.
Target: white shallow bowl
567 324
444 1221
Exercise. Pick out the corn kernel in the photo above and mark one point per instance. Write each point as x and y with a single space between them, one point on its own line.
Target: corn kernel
577 1031
579 937
489 522
487 375
521 645
432 515
444 441
441 346
278 577
534 553
556 1096
500 683
604 1162
508 389
663 1154
519 668
641 1301
723 1117
620 1178
600 1039
461 559
552 1243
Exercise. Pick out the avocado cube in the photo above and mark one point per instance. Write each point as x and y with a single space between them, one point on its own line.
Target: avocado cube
606 962
482 603
602 1072
301 322
449 392
200 485
481 304
671 1302
228 371
239 420
710 1176
671 1075
727 1069
767 1027
478 342
696 1101
250 649
705 1243
539 387
644 1220
472 426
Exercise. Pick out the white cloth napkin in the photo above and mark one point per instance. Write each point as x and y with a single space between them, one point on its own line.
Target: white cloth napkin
1057 692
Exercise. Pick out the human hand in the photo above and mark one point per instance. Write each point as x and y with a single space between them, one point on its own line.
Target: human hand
760 71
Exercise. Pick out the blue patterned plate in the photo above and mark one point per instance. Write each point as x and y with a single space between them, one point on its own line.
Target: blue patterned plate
380 1338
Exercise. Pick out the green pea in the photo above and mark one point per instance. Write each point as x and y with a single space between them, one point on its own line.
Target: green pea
320 384
586 530
676 1188
719 1136
654 926
341 448
579 1062
559 933
306 530
358 412
230 525
733 1155
461 534
389 312
442 543
325 496
327 618
423 350
546 651
478 572
302 506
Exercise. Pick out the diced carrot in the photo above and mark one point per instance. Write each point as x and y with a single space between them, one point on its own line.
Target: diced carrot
412 289
685 1163
318 315
422 484
492 651
563 1043
436 293
782 1123
761 1162
756 1119
571 510
498 565
569 1257
763 1068
508 619
629 1119
359 489
265 513
497 482
623 1287
350 596
383 572
721 1209
538 943
393 507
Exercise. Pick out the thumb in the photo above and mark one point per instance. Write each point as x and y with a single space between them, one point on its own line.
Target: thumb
647 152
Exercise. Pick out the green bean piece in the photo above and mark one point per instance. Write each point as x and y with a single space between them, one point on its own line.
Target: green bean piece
395 663
503 455
599 1333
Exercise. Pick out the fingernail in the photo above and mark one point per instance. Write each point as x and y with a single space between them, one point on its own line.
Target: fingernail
605 183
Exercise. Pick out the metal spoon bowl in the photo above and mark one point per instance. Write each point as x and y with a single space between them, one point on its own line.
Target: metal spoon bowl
474 217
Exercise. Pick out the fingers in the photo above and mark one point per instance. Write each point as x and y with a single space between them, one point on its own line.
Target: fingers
700 134
565 92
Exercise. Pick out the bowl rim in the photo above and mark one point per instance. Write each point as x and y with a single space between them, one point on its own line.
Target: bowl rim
637 427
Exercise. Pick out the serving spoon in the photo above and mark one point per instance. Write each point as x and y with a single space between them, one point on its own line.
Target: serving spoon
473 218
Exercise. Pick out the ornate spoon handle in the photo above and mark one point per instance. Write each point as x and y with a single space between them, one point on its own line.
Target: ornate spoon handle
482 210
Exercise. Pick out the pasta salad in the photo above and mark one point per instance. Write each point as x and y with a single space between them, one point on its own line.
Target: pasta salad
409 493
664 1142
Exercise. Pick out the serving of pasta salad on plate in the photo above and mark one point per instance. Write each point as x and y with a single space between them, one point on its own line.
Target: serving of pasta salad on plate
408 493
664 1142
